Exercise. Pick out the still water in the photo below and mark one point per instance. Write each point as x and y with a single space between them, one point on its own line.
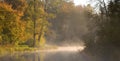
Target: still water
60 54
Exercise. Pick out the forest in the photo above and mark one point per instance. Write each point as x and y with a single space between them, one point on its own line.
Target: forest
28 25
32 23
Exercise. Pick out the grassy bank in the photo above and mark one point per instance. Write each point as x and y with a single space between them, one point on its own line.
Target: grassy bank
10 50
4 50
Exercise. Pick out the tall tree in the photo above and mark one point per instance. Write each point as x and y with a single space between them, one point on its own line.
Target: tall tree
35 16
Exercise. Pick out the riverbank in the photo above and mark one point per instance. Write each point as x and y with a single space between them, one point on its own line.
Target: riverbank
5 50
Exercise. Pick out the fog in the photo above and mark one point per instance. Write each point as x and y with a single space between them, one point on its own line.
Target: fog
59 30
64 53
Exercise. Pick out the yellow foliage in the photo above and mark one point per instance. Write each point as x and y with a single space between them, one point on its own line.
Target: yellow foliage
5 6
43 41
11 27
67 7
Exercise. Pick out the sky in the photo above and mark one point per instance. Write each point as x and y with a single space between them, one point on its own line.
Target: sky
80 2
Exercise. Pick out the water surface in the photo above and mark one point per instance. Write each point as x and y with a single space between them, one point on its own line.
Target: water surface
60 54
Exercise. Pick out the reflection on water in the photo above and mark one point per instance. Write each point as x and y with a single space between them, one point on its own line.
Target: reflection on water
23 57
54 55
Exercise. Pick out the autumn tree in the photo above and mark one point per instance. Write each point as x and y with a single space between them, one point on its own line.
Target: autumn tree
11 28
18 5
36 22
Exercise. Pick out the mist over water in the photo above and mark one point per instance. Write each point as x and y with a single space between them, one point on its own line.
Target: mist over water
71 48
65 49
64 53
59 30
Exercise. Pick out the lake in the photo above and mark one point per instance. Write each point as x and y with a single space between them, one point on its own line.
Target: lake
60 54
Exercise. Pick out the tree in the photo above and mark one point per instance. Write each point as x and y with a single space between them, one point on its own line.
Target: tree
106 31
70 23
109 32
12 29
18 5
35 17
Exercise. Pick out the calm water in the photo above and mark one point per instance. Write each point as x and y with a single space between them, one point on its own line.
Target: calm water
61 54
